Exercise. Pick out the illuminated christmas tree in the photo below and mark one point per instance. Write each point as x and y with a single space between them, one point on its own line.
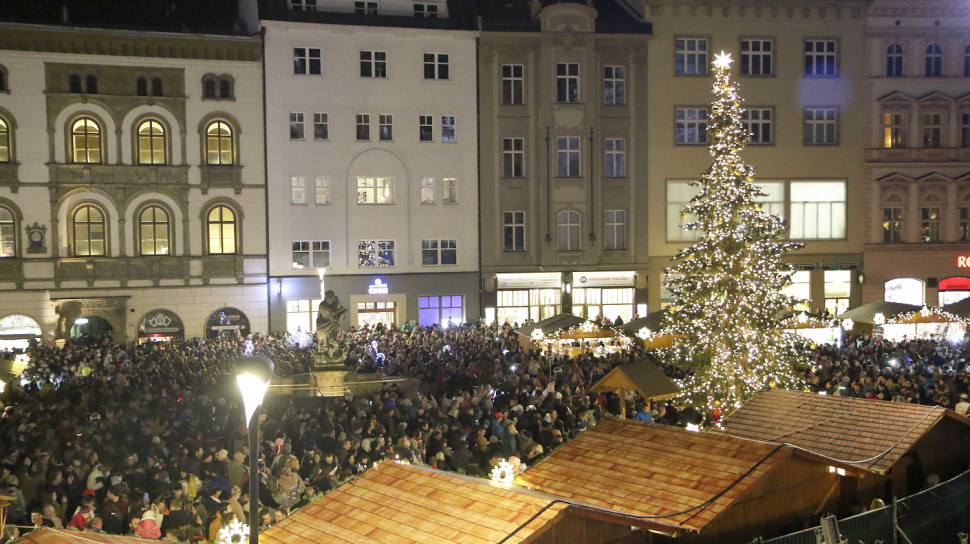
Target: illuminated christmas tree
728 286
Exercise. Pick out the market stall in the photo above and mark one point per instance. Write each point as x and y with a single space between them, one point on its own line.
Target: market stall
861 320
925 324
812 327
566 334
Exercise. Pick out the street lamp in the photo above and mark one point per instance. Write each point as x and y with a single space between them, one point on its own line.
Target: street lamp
253 375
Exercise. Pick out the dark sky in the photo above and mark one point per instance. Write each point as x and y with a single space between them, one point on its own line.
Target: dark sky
166 15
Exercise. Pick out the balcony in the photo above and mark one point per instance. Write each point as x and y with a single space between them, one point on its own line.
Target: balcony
220 177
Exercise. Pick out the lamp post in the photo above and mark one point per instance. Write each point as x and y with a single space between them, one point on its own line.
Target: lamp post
253 375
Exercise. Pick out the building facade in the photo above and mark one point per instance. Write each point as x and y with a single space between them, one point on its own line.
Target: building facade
802 78
563 161
918 152
131 184
372 152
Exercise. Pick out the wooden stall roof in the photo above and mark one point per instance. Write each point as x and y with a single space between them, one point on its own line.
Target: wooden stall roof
867 312
652 321
550 324
869 434
960 308
46 535
648 469
643 376
403 504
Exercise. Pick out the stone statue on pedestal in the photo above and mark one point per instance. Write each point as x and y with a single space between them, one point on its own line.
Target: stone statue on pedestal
329 314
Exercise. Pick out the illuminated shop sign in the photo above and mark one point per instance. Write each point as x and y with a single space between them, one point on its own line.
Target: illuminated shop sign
377 288
963 261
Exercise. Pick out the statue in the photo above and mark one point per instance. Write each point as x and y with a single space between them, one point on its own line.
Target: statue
67 314
329 314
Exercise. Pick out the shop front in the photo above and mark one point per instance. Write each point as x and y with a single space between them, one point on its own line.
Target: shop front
17 331
160 326
227 321
528 296
918 275
604 295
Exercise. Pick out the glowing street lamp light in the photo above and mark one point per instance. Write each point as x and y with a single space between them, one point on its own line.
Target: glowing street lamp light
253 375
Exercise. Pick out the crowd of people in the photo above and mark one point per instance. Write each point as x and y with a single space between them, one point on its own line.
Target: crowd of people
149 439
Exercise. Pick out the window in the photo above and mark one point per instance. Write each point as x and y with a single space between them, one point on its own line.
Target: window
385 127
513 84
311 254
820 126
838 285
894 60
929 224
439 252
427 191
756 57
821 58
773 200
679 194
375 190
436 66
513 157
615 157
5 154
74 83
567 156
373 64
451 191
446 310
375 253
965 130
306 61
296 125
758 122
932 130
893 130
321 194
365 8
91 84
614 85
800 289
157 86
151 143
448 128
89 231
567 230
690 56
363 127
303 5
817 209
429 11
153 231
221 224
301 314
8 233
614 230
86 141
298 190
513 231
691 126
567 82
964 226
141 87
208 88
321 129
934 60
424 128
218 144
225 88
892 225
966 61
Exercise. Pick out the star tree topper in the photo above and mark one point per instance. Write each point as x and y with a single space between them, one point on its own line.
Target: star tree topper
723 60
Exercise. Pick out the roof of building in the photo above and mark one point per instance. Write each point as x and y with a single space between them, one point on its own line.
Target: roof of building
870 434
210 16
652 321
683 478
461 16
642 376
46 535
404 504
613 16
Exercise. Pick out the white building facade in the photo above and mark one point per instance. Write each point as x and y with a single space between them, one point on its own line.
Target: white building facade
131 184
372 151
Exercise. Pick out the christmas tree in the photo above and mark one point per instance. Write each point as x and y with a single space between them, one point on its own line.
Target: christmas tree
728 286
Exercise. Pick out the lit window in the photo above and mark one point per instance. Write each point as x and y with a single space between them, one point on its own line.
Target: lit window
5 154
893 130
892 225
375 190
8 233
817 209
153 231
450 187
322 190
86 140
679 194
151 143
89 231
219 144
375 253
448 128
298 190
427 191
930 224
221 226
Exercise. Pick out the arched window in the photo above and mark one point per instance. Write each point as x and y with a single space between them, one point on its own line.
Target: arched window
156 86
74 82
894 61
91 84
218 143
934 60
5 154
225 88
86 141
151 143
221 224
208 87
153 231
567 230
141 86
89 231
8 233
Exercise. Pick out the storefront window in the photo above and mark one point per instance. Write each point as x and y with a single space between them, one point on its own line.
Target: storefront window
369 314
800 288
443 310
838 284
954 290
301 315
906 291
608 303
16 331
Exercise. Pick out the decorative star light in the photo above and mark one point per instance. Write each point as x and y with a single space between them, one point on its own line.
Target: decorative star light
803 317
236 532
879 319
644 333
723 60
588 326
925 312
848 324
537 335
693 427
503 473
22 358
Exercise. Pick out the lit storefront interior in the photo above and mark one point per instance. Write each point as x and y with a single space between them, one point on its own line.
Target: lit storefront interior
906 291
522 297
954 290
17 331
607 295
441 310
301 315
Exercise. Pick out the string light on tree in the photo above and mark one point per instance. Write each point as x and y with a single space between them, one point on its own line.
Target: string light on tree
727 288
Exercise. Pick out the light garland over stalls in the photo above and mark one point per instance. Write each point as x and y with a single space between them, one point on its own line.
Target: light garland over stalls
728 286
236 532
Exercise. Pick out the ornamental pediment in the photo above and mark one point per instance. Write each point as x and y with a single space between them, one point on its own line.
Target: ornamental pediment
896 178
897 98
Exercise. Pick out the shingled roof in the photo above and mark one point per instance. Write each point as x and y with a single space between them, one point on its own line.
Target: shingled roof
684 478
403 504
870 434
47 535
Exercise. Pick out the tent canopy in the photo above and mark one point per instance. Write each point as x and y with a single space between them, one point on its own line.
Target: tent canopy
642 376
960 308
652 321
867 312
551 324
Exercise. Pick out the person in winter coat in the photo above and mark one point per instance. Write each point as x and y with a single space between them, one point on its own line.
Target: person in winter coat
147 528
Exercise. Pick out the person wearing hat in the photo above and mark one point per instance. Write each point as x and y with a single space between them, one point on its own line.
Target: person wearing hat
147 527
495 427
963 407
